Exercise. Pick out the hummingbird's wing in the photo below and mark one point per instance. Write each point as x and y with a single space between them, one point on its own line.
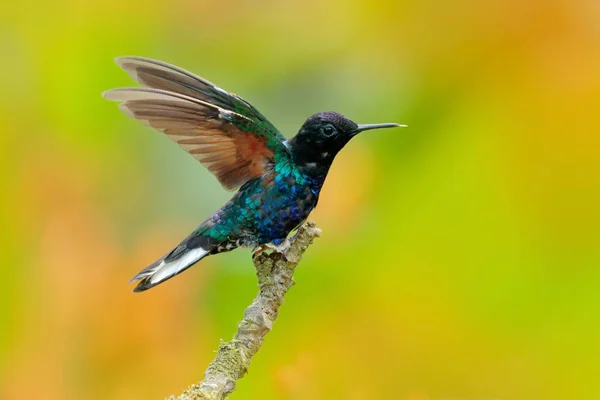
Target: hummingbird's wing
201 119
231 146
160 75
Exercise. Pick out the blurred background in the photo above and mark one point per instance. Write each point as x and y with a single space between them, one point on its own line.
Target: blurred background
460 257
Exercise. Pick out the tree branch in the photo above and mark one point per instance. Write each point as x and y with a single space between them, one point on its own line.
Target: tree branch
275 273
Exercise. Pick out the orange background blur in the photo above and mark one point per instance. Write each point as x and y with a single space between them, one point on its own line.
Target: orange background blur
460 258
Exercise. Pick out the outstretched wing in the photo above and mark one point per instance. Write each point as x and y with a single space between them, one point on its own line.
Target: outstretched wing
226 134
160 75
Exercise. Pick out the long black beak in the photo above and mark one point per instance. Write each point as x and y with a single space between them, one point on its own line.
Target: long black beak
366 127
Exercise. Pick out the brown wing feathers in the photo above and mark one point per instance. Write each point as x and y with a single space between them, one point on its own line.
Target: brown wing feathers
159 75
200 128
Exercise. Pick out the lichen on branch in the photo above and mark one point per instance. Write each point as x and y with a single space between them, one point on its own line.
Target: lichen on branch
275 272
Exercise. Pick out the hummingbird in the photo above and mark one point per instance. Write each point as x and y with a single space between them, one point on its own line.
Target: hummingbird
278 180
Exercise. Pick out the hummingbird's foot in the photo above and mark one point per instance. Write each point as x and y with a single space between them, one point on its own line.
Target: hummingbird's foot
280 246
258 250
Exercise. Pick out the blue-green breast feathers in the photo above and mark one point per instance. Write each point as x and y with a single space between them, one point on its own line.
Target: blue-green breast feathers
263 210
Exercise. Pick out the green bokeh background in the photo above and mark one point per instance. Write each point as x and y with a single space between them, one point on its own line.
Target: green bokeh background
460 258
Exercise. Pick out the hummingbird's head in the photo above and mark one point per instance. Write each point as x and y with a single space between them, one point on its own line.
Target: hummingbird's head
322 136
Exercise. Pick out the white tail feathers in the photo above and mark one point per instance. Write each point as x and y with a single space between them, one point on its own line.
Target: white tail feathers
164 270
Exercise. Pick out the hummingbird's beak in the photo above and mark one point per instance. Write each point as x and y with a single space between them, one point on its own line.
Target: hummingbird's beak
366 127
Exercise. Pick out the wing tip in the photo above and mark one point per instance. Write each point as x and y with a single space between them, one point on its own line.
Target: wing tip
123 61
130 93
115 95
108 94
120 60
119 94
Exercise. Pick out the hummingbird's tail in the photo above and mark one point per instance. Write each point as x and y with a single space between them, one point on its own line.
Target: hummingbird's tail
193 249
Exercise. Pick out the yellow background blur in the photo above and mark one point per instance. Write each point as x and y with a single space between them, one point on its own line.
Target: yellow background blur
460 258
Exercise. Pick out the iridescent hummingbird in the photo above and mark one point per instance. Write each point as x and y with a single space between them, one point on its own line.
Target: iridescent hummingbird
279 180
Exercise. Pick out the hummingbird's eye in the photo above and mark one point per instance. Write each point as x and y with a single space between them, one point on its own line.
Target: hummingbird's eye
328 130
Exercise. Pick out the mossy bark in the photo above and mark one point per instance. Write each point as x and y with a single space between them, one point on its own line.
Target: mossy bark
275 271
